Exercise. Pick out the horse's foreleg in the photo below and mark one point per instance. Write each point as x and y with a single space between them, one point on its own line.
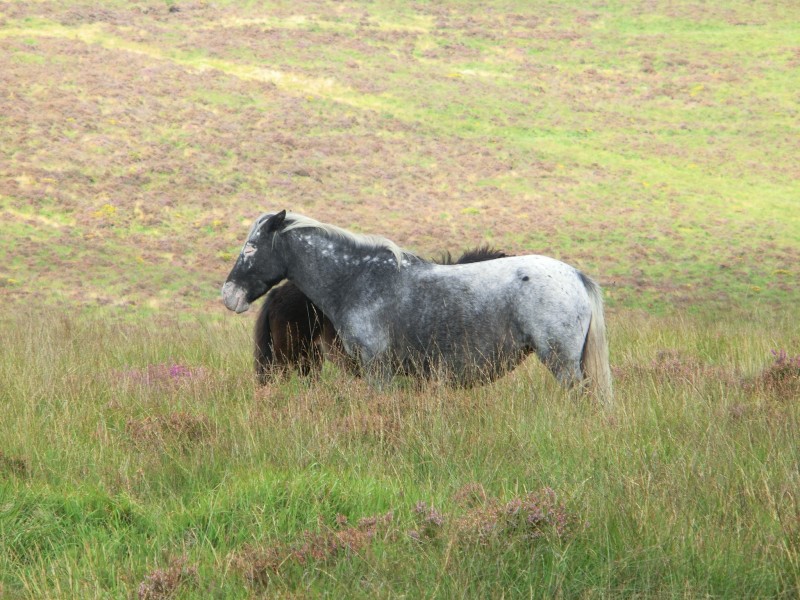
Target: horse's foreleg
334 351
372 361
377 374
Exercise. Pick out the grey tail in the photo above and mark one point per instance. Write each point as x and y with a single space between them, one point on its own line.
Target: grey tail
594 358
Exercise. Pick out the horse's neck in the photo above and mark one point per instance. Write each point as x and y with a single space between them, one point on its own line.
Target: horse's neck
325 268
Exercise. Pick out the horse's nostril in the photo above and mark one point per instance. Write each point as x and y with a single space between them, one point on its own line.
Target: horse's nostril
234 297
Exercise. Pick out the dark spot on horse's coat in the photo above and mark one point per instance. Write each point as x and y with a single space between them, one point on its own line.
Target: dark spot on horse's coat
526 278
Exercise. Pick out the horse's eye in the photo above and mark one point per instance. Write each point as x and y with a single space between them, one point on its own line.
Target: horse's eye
249 250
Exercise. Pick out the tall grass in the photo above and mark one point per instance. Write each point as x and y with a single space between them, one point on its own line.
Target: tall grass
142 459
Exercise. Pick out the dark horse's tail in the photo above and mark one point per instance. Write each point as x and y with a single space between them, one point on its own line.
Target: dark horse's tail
263 356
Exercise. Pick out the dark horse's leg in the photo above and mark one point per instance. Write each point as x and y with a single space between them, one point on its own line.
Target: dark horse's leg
262 354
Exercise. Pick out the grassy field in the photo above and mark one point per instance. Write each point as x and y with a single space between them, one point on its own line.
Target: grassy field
652 144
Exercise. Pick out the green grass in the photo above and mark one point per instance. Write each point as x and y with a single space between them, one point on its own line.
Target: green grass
653 146
683 488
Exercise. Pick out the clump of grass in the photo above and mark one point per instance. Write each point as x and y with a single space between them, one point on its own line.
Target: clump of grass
13 465
260 565
782 377
673 365
470 495
165 583
185 428
529 518
162 375
429 522
526 521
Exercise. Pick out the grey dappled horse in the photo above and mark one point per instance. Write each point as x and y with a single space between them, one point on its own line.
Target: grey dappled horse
396 312
292 332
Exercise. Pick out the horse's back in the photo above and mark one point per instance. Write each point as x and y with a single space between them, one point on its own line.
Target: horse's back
544 281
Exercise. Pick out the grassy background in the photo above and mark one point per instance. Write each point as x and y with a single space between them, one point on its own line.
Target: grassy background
651 144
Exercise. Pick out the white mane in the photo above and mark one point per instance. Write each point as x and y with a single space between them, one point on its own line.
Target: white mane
363 241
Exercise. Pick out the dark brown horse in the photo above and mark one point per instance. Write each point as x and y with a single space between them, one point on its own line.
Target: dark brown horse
292 332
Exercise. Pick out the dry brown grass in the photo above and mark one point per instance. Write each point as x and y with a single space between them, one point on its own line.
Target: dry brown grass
162 584
260 564
178 427
11 465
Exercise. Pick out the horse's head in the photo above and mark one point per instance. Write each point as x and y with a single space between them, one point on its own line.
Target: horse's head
258 267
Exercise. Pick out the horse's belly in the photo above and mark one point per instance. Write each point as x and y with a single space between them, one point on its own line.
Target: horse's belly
461 360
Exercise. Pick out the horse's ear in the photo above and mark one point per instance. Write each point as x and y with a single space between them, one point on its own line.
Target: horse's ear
274 222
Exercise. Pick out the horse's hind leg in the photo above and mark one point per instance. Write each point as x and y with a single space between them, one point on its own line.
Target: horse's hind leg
563 363
567 372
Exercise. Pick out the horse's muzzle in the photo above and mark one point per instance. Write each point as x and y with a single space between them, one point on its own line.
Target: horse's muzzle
234 297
